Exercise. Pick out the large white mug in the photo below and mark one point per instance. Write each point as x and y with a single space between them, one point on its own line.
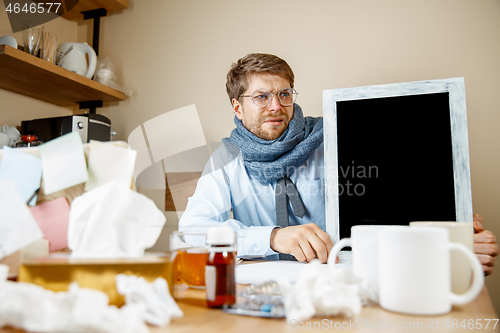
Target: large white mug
463 233
364 243
414 271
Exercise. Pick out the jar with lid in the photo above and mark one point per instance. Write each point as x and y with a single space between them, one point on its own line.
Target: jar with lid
27 140
220 268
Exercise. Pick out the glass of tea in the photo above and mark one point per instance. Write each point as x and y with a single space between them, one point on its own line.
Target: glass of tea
191 257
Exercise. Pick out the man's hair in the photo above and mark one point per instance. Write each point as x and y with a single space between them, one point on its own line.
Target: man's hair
254 63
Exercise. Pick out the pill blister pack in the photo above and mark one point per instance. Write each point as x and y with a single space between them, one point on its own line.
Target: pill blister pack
259 300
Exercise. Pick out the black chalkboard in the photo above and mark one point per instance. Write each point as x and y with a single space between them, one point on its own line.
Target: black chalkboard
395 161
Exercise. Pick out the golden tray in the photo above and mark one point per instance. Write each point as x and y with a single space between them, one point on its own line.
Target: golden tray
55 272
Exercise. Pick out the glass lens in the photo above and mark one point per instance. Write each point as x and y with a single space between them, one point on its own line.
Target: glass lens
287 96
261 97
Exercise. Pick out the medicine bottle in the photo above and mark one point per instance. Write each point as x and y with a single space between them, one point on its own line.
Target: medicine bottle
219 270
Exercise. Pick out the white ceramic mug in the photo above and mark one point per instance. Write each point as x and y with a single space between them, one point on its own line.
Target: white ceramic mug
364 242
463 233
414 271
4 140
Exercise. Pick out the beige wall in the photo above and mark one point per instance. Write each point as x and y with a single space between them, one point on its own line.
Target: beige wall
176 53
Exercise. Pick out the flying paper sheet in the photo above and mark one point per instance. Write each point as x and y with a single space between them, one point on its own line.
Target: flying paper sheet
108 162
63 162
177 138
174 132
18 228
24 170
53 218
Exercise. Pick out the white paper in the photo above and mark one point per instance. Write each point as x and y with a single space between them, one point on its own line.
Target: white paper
255 273
324 291
63 162
32 308
18 228
23 169
174 132
160 306
108 162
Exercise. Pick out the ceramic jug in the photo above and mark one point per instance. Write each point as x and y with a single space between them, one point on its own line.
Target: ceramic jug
12 133
75 60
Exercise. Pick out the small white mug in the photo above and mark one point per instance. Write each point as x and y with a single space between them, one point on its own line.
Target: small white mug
414 271
460 232
364 241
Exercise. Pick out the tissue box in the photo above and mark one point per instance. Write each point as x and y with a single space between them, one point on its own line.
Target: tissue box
57 271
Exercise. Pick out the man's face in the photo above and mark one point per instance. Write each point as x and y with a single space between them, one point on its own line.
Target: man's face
267 122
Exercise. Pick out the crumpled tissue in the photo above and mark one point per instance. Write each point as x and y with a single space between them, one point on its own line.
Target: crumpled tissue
160 306
113 221
325 291
32 308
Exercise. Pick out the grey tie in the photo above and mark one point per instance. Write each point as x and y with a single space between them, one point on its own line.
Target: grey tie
285 188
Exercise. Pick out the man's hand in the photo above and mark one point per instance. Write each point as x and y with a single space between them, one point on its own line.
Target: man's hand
485 245
305 242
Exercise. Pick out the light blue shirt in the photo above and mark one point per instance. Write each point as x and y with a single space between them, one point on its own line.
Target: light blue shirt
225 185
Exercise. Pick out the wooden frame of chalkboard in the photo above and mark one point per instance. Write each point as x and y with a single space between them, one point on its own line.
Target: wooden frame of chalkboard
396 153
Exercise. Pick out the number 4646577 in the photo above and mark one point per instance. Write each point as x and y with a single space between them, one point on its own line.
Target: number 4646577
471 324
33 8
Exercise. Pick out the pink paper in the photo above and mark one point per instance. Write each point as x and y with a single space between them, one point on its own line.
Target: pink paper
53 218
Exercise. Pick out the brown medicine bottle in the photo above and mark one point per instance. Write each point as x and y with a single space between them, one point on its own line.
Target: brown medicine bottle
219 270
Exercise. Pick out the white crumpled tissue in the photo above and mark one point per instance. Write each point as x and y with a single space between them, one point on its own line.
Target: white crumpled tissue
32 308
325 290
113 221
160 306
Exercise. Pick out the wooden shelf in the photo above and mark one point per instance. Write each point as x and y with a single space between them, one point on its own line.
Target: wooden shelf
25 74
84 5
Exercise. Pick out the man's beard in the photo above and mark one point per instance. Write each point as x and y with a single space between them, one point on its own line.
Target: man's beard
256 126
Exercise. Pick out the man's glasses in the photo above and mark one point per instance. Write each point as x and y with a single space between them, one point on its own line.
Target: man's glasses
262 97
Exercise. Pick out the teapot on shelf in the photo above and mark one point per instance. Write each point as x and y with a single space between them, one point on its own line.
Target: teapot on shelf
75 60
12 133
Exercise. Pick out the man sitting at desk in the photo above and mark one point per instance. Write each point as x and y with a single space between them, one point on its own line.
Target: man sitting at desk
274 156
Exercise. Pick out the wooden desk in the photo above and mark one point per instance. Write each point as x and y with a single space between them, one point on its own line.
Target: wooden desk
199 319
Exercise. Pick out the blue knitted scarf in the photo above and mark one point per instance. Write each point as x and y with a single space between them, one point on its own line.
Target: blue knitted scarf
275 159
